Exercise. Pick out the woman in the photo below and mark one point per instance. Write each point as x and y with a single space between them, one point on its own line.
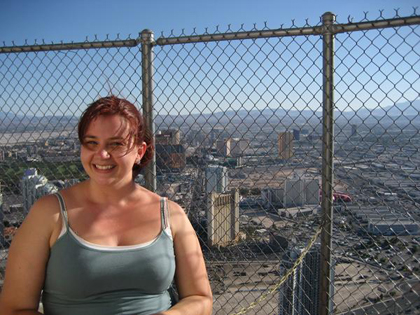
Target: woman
107 245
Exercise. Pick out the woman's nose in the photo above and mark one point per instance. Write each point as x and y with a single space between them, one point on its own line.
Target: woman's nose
103 153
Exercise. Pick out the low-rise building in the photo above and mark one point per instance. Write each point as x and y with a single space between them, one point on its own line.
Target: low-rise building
297 212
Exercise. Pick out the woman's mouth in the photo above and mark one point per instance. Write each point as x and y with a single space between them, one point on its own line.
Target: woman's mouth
103 167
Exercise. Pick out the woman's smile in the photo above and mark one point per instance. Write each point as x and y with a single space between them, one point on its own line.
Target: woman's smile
103 167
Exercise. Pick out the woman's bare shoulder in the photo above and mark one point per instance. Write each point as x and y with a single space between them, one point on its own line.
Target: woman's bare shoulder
45 206
74 195
178 218
43 215
175 208
73 191
147 195
39 223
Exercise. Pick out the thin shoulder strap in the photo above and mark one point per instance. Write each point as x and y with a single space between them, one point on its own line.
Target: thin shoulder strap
164 212
62 209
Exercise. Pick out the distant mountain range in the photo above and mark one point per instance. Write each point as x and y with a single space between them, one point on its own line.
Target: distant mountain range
400 113
10 122
406 109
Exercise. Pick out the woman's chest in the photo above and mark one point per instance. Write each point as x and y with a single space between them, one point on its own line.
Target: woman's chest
113 227
78 270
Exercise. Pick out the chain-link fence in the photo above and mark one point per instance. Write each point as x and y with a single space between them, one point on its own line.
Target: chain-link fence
294 151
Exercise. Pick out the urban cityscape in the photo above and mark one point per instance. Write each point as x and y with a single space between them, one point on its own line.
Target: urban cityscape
253 194
291 144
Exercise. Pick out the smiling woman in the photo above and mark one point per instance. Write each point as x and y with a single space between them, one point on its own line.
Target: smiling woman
130 129
108 151
107 246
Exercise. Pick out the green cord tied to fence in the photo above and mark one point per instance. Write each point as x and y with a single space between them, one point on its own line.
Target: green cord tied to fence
285 276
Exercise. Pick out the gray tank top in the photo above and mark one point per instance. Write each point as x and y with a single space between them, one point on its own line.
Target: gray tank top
84 278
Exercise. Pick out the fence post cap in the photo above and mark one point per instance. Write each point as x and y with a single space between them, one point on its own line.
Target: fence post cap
328 16
147 35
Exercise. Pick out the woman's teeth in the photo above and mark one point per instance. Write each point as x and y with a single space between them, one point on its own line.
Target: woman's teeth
104 167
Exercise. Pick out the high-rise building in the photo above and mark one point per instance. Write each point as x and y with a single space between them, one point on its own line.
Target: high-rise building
222 218
216 179
299 192
273 196
215 134
223 146
314 136
285 142
311 187
169 136
294 193
296 134
299 294
33 187
353 130
238 146
170 157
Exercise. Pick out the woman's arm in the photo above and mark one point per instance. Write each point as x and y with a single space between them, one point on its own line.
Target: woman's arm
27 259
191 276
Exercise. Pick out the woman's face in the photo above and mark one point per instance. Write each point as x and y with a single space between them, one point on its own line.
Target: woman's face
107 154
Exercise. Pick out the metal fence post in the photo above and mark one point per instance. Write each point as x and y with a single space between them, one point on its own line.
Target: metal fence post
147 39
325 301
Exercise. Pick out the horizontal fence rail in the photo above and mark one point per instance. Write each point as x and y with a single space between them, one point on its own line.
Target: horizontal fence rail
306 31
69 46
294 152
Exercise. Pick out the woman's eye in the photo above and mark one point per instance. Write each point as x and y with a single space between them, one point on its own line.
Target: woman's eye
90 144
116 144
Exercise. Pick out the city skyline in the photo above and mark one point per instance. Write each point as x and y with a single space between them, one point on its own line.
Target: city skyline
220 110
357 222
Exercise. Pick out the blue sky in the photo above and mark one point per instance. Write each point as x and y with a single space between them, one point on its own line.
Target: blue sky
286 72
55 20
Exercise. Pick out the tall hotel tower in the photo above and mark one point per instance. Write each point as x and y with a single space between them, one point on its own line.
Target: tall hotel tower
216 179
299 294
285 141
34 186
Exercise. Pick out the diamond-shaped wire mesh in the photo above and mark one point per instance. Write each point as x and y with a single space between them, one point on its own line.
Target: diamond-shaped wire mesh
236 105
239 145
42 95
376 153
